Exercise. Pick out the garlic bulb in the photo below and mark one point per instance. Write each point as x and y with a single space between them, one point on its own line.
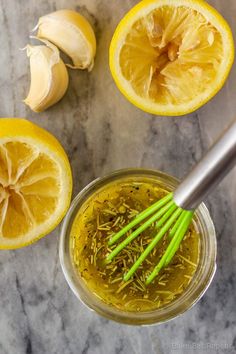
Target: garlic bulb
72 33
49 76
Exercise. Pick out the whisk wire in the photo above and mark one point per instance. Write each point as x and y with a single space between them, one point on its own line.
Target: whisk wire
183 224
152 244
176 225
143 215
170 206
180 233
166 216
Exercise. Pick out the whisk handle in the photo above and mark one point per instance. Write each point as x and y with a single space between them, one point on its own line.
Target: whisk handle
208 173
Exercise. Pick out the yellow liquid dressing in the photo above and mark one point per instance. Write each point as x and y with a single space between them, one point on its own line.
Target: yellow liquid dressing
106 212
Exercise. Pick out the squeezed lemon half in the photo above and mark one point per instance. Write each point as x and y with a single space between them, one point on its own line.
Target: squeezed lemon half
169 57
35 182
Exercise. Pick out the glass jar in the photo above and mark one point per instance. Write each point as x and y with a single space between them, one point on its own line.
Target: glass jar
195 290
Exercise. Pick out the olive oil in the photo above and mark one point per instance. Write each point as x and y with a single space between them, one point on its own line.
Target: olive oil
104 214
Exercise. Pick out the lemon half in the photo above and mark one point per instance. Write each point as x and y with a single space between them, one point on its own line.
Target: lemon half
35 182
169 57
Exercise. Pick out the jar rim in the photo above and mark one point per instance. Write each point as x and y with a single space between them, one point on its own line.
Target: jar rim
199 284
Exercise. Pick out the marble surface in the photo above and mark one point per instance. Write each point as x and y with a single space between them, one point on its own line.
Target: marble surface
101 132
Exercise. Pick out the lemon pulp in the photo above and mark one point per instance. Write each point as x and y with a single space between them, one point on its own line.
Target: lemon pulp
35 183
171 57
29 188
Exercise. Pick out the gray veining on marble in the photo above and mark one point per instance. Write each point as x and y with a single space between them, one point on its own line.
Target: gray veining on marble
101 132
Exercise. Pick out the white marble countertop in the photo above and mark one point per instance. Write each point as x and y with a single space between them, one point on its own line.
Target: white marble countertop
101 132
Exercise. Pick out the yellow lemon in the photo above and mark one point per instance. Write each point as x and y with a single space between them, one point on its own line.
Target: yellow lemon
35 182
169 57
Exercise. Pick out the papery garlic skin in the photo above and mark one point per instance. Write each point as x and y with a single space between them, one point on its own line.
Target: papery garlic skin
49 77
72 33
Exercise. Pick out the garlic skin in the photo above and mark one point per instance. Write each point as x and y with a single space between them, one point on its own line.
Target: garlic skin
49 77
72 33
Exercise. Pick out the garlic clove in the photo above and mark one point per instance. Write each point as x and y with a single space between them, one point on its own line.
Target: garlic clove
72 33
49 77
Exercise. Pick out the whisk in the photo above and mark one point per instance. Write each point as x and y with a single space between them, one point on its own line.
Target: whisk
173 213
